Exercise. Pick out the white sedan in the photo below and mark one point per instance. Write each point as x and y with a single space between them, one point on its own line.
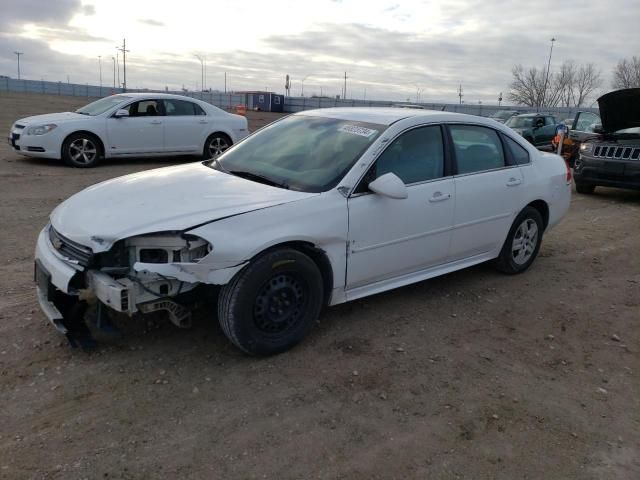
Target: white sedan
318 208
129 125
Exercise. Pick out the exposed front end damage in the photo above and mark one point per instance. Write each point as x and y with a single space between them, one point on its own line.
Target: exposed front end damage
145 274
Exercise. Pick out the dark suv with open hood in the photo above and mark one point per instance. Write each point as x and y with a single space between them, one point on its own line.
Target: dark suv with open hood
612 158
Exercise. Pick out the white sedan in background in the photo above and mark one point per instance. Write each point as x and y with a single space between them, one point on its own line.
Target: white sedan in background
319 208
129 125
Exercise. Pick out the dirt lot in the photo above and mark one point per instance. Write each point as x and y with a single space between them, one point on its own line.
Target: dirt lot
474 375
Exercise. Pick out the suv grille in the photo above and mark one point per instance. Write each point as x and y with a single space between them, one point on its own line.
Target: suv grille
70 249
617 152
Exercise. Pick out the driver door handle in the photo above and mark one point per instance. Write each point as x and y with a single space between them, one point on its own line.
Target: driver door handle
513 182
156 122
439 197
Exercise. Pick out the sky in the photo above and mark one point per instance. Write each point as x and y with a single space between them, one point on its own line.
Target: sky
411 50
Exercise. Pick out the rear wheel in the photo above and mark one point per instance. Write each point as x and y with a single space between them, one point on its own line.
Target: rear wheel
215 145
521 247
270 305
585 188
81 150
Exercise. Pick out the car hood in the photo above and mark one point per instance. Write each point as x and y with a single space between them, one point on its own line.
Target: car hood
620 109
166 199
51 118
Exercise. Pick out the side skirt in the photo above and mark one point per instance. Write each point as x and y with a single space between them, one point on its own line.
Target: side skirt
409 278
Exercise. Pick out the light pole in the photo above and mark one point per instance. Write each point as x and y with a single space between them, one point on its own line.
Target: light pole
546 79
18 55
114 73
201 70
100 68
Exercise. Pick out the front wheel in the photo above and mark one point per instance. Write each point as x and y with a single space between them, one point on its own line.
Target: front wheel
215 145
270 305
81 150
523 242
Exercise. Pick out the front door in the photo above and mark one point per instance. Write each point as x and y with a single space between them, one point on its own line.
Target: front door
142 132
489 192
543 135
392 237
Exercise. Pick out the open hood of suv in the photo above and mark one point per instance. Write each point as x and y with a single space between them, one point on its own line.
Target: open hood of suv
620 109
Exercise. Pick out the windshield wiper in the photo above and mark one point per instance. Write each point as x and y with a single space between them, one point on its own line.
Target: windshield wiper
259 178
82 113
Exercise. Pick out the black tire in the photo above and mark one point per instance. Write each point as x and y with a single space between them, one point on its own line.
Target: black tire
270 305
216 144
585 188
508 261
82 150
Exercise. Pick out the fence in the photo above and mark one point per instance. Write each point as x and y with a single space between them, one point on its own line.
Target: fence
291 104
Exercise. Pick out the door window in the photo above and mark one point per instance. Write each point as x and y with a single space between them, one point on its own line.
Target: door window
144 108
477 148
519 154
179 108
415 156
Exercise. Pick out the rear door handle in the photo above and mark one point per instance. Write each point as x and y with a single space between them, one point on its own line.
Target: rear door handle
156 122
202 121
514 182
439 197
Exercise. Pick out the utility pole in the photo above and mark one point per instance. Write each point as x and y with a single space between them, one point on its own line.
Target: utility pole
100 67
18 55
500 99
344 92
460 94
114 72
225 82
124 51
546 79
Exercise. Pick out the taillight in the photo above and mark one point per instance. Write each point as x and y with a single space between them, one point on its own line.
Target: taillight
568 178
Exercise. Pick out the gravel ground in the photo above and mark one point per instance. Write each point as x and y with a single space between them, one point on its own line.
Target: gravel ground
473 375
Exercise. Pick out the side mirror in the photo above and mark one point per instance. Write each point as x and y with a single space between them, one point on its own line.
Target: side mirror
121 113
598 129
389 185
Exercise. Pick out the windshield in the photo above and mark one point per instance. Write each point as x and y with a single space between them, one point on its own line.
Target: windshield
519 122
503 115
300 152
102 105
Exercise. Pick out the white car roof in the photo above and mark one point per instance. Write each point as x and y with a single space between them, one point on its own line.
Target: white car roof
154 95
388 115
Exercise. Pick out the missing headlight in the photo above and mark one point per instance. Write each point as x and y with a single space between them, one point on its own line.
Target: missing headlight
153 255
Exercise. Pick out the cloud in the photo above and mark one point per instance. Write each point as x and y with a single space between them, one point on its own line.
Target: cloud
16 13
152 22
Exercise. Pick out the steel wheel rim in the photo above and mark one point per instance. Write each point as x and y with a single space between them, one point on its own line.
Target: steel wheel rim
524 242
280 304
217 146
83 151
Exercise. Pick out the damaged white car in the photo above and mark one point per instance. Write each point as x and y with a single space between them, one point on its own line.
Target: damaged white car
316 209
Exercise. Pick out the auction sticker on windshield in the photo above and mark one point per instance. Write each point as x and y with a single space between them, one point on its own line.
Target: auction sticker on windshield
356 130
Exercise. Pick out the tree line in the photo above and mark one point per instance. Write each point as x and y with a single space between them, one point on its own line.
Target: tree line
571 86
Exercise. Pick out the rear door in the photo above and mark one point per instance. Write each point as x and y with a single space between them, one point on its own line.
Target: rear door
142 132
186 126
489 191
